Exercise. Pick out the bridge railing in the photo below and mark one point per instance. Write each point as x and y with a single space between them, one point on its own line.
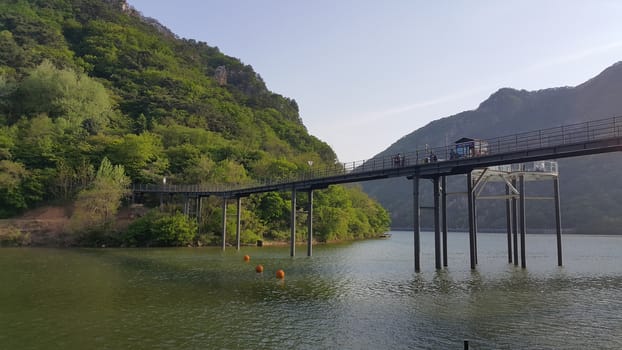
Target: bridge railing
556 136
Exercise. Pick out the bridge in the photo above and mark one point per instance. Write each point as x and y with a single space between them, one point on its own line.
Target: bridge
592 137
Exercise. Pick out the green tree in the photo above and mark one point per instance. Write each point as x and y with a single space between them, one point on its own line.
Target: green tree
97 205
12 199
142 155
63 93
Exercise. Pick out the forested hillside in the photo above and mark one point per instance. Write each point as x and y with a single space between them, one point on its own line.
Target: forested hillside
591 186
83 81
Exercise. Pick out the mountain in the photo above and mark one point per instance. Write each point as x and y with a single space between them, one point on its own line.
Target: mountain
82 81
591 186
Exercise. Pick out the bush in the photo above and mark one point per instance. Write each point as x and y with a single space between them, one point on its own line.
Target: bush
13 237
157 229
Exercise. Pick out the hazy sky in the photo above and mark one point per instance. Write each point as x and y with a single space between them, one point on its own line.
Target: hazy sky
365 73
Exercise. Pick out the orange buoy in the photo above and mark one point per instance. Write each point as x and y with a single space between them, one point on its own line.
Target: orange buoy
259 268
247 258
280 274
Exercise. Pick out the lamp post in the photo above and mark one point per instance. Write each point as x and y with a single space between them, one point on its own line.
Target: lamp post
162 193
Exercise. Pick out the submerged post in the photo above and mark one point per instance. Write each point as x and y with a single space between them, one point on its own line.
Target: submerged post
224 222
238 221
471 217
508 221
558 221
523 262
437 228
310 225
444 214
416 224
292 242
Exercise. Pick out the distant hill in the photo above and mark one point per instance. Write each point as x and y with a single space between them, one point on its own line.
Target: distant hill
591 186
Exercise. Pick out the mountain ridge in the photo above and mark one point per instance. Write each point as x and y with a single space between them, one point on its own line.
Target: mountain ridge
585 181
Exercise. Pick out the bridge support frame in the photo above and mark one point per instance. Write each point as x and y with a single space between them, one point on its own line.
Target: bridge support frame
444 217
558 221
224 222
238 221
514 210
508 221
470 202
437 227
523 262
416 222
292 242
310 224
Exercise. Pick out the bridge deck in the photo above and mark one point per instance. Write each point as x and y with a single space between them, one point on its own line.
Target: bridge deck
593 137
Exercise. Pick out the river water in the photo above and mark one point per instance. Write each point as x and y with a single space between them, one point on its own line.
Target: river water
358 295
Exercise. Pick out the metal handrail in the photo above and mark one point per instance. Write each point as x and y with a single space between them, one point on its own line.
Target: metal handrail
550 137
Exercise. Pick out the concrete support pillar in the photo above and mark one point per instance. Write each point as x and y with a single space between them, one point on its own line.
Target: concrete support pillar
292 242
416 222
310 225
444 215
437 227
471 219
224 223
508 221
523 225
238 222
558 221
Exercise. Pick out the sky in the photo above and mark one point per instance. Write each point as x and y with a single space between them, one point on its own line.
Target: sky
365 73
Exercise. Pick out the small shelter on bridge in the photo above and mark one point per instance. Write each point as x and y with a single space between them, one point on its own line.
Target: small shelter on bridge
468 147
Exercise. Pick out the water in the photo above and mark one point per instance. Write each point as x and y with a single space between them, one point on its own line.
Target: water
360 295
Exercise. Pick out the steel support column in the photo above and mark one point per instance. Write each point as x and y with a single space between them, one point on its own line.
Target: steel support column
444 215
310 224
523 262
186 204
198 207
558 221
474 198
199 202
416 222
515 225
437 227
238 222
292 241
508 221
224 223
471 217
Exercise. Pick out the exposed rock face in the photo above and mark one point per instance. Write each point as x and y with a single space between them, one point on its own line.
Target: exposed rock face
221 75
